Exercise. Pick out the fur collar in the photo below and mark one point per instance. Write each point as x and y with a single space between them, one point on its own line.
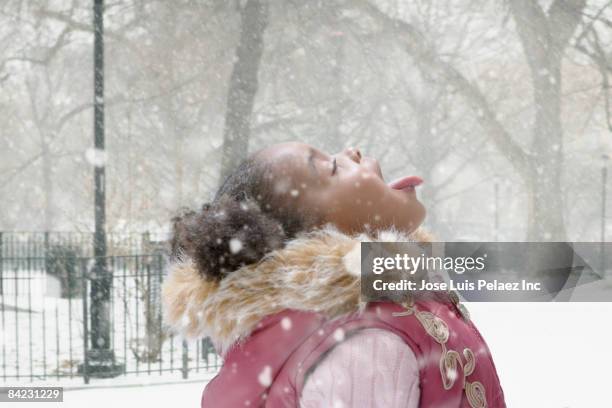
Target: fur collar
317 271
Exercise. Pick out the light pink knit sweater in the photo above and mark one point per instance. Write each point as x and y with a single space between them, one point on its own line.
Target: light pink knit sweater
373 368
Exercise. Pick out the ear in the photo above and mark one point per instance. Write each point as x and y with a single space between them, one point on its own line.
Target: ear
352 260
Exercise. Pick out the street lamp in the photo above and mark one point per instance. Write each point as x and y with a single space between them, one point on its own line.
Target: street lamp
100 357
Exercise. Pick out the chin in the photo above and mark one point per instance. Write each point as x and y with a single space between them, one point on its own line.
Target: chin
417 216
422 214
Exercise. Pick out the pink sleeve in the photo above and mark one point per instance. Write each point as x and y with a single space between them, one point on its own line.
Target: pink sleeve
373 368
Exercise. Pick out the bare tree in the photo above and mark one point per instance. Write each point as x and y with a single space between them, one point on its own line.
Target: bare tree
243 85
544 39
593 42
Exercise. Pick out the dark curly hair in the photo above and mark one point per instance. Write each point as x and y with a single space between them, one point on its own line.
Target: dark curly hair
244 221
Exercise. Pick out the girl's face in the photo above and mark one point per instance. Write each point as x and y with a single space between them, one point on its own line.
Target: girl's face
345 189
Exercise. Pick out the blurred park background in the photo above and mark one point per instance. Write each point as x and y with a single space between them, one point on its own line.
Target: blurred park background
503 107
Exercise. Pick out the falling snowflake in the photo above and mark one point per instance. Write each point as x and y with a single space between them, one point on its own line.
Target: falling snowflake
452 374
96 157
339 335
338 404
265 376
235 245
281 186
216 143
295 193
286 323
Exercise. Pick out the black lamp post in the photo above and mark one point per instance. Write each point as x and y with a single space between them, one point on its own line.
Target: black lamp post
100 359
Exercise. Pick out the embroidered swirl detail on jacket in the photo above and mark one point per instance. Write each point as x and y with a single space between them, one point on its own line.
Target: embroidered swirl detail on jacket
434 326
470 362
450 359
408 305
448 367
475 394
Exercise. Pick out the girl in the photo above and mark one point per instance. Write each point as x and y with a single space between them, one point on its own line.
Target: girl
269 270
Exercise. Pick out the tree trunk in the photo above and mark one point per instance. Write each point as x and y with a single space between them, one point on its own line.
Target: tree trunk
335 141
547 222
243 86
544 37
49 213
424 157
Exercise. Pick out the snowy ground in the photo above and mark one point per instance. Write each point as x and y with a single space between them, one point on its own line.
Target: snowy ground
553 355
170 395
163 392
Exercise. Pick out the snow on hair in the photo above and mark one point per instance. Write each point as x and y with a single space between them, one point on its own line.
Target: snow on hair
225 236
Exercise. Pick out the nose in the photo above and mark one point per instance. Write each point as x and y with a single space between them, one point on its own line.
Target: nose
354 154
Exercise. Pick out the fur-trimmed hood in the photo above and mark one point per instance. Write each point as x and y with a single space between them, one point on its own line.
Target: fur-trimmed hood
317 271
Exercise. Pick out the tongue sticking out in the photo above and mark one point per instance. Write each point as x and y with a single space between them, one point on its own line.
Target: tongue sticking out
405 183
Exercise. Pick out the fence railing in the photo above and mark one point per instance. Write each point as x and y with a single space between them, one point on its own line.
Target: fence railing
16 244
45 315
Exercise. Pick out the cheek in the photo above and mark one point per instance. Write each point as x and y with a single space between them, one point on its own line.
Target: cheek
363 190
373 201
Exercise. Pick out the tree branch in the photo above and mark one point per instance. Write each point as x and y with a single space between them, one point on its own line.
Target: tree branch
564 17
14 172
418 47
78 26
533 29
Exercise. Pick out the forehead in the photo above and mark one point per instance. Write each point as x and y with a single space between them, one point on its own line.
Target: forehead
285 151
286 157
291 164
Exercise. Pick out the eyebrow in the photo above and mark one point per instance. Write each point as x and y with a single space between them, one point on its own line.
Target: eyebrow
311 155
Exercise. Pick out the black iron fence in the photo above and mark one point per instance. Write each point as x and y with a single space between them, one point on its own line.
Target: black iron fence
19 244
44 316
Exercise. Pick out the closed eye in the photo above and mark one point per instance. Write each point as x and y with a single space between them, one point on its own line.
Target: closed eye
334 167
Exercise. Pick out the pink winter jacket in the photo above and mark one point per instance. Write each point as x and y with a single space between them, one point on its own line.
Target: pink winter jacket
293 332
347 376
